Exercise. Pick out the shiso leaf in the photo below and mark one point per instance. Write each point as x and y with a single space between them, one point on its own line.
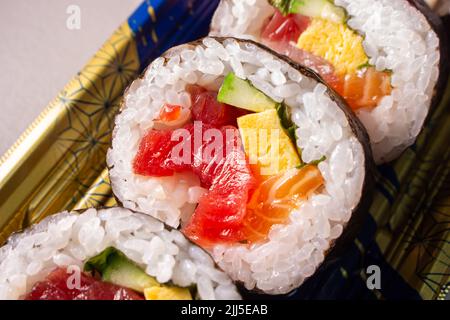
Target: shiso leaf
288 125
314 162
364 65
101 261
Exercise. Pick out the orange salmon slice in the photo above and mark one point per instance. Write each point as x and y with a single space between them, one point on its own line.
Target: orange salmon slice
275 198
364 89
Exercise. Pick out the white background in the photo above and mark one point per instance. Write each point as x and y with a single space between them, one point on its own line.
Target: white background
39 55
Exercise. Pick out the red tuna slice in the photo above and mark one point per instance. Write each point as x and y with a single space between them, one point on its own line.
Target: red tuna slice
107 291
219 161
55 287
209 111
208 159
285 28
154 156
220 212
195 147
211 148
46 290
161 152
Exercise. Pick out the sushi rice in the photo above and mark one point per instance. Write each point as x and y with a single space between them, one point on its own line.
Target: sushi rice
69 239
397 37
293 251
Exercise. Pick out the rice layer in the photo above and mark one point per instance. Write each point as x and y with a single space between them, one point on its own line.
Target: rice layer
293 251
397 37
69 239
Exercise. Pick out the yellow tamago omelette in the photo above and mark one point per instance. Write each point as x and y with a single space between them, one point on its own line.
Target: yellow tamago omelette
167 293
266 144
336 43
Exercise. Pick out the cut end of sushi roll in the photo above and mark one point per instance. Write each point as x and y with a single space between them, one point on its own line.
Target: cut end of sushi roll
384 57
108 254
268 229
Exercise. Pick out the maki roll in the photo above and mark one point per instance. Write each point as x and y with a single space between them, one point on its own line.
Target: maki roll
108 254
385 57
251 155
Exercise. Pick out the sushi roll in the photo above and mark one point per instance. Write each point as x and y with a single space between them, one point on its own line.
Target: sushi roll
108 254
385 57
252 156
